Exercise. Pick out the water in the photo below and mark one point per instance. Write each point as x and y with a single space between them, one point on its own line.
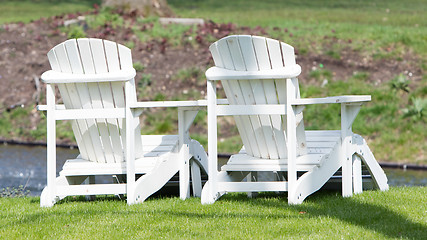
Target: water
26 166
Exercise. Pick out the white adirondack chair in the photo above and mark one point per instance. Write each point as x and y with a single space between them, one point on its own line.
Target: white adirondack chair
96 81
259 77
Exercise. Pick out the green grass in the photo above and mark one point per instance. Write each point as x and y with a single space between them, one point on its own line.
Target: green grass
28 10
369 25
396 213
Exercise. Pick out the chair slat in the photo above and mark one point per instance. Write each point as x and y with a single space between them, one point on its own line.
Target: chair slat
240 120
73 101
263 90
53 60
107 95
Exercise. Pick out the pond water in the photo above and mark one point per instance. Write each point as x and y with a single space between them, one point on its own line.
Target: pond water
26 166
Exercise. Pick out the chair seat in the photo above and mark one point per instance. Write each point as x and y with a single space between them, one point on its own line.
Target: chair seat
155 149
319 145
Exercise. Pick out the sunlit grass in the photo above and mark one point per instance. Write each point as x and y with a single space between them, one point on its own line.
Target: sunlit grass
26 10
325 215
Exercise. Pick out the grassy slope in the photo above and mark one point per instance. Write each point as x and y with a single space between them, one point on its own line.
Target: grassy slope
27 10
371 215
382 22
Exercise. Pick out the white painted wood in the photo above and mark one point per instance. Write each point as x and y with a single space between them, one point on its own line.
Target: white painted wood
212 140
261 90
216 73
336 99
52 76
95 79
292 140
264 109
68 114
357 174
252 186
51 146
97 189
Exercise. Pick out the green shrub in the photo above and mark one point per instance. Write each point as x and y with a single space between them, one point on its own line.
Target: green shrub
75 32
400 82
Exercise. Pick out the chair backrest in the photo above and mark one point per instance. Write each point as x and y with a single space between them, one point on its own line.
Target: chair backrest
99 140
263 136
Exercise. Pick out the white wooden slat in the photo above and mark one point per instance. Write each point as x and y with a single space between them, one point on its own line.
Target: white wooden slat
125 57
215 55
271 97
107 94
321 144
72 101
235 53
243 159
86 55
91 189
253 186
267 168
320 133
112 56
88 127
225 54
248 52
89 113
261 52
247 93
239 119
55 66
86 66
288 54
232 90
275 53
264 109
246 122
96 91
261 90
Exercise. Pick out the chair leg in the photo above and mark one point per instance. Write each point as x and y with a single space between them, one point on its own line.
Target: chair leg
252 177
196 179
150 183
357 174
90 180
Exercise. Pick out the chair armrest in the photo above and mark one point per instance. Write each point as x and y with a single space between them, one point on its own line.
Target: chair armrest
154 104
335 99
217 73
52 76
44 107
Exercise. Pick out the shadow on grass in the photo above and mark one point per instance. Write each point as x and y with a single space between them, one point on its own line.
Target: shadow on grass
354 211
351 210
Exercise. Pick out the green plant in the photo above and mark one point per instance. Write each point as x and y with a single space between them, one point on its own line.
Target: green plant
164 127
75 32
105 16
190 75
138 66
12 192
320 74
130 44
159 97
144 81
400 82
416 111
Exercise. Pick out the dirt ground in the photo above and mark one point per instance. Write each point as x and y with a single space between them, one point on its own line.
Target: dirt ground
23 49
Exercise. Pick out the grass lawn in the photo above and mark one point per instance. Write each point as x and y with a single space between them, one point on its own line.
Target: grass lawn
27 10
368 24
397 213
